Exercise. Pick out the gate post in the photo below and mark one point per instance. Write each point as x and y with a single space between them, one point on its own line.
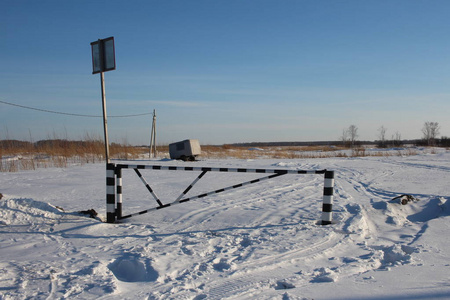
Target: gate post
110 193
327 206
119 192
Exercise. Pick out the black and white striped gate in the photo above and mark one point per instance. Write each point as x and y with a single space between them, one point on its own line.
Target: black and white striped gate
114 187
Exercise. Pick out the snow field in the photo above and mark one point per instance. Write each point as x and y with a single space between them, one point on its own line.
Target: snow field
258 242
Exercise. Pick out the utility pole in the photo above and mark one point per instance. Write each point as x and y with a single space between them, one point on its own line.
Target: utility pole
152 152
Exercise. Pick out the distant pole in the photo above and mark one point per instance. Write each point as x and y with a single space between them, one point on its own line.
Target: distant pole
153 137
105 122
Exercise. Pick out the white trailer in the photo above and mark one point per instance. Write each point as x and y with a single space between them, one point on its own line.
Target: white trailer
185 150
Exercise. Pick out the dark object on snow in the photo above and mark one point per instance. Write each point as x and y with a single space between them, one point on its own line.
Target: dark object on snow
92 213
1 196
283 285
405 199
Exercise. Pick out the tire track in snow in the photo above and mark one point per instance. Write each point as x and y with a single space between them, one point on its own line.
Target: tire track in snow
275 195
262 273
268 270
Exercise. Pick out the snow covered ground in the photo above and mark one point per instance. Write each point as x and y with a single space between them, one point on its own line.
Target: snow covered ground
258 242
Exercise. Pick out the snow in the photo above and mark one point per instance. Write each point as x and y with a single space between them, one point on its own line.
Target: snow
262 241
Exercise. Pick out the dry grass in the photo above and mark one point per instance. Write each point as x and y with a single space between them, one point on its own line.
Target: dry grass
279 152
17 155
295 152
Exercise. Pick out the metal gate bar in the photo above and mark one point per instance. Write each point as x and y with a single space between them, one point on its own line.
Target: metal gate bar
238 170
114 213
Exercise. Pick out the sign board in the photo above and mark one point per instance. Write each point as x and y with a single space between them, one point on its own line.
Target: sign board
103 55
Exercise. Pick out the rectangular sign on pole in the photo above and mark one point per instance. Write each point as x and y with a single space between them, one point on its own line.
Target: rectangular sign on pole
103 59
103 55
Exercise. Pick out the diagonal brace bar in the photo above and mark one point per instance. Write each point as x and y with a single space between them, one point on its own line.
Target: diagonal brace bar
190 186
148 187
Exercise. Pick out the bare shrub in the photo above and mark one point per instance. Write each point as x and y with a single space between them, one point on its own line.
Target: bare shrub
349 136
27 164
358 152
430 132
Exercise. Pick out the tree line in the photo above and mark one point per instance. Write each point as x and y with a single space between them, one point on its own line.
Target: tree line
430 133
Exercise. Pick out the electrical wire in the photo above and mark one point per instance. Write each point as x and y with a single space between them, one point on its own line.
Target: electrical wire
71 114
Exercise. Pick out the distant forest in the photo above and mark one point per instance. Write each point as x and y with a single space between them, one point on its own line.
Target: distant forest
314 143
61 143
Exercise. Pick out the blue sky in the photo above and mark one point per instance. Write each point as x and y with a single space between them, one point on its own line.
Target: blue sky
226 71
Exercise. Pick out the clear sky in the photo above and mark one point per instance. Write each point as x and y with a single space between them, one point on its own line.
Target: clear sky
226 71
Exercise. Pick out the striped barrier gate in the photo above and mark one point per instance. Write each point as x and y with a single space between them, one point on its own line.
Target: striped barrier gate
114 187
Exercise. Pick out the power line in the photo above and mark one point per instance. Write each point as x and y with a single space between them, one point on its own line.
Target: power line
71 114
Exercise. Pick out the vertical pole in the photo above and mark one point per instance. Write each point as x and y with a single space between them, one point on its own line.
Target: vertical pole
151 143
110 193
110 179
154 133
153 137
119 192
105 122
327 206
